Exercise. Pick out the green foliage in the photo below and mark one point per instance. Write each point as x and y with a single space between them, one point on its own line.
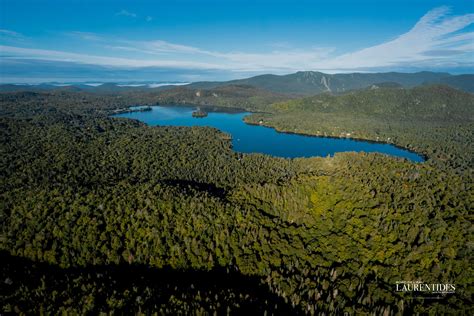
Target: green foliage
436 121
82 191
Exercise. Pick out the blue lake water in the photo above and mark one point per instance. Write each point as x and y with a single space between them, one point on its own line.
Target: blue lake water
259 139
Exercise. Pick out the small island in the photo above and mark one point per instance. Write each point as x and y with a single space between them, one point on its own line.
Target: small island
199 113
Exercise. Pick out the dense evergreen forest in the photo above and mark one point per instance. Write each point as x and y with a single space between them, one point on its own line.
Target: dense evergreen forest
437 121
103 214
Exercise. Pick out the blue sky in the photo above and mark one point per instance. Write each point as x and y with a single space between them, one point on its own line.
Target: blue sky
181 40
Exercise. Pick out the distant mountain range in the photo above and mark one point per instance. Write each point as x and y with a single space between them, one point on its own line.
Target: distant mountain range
303 83
311 82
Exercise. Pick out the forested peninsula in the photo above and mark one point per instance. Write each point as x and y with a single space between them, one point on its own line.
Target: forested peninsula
103 214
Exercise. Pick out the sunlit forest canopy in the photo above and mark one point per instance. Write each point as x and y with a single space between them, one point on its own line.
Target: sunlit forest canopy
83 190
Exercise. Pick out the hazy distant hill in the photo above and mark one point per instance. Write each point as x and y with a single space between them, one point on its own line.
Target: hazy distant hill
462 82
311 82
20 87
104 88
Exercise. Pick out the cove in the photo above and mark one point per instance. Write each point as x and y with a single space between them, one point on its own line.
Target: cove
248 138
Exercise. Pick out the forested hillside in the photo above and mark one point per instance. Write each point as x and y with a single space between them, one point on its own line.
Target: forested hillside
462 82
229 96
434 120
312 82
89 201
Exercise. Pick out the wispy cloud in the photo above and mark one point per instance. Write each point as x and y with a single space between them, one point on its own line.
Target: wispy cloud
88 36
53 55
126 13
167 47
129 14
438 39
9 34
434 32
279 60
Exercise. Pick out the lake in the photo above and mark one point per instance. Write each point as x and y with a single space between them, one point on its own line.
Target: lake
259 139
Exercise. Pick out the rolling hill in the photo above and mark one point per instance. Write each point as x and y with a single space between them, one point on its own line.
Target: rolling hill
312 82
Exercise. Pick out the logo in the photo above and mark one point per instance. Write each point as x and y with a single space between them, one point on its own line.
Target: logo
423 289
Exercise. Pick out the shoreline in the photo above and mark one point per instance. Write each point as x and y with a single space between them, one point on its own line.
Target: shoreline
425 158
223 109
